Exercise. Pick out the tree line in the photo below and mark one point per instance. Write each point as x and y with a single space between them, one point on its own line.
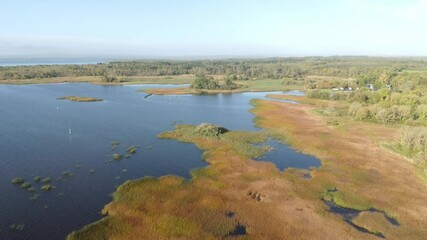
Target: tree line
241 69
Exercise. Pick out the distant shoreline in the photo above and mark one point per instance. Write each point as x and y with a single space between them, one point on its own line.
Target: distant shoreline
15 62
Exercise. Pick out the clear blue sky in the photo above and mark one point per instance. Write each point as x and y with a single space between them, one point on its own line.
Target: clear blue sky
212 27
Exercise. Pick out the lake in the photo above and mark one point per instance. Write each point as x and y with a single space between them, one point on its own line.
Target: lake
35 140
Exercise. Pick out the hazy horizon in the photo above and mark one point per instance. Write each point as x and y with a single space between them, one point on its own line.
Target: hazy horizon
195 29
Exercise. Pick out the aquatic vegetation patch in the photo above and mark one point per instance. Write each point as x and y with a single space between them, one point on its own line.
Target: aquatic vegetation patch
114 145
47 187
117 156
26 185
17 227
132 150
47 180
80 99
18 181
67 173
37 179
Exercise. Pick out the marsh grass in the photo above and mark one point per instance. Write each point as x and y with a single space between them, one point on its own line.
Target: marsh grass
18 181
347 199
47 187
114 145
26 185
171 207
117 156
132 150
80 99
37 179
47 180
196 217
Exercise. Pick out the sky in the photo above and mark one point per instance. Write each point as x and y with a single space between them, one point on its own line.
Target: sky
192 28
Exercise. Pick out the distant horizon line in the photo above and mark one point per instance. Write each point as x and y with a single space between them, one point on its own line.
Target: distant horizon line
221 56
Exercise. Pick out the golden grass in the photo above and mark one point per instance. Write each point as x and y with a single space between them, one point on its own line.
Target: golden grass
286 206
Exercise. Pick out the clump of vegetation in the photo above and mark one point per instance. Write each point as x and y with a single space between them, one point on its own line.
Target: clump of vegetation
25 185
46 187
256 195
18 181
209 83
47 180
413 144
205 82
67 173
117 156
209 130
132 150
17 227
31 189
110 79
128 155
37 179
80 99
114 145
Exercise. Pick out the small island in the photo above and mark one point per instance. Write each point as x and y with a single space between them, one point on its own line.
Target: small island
80 99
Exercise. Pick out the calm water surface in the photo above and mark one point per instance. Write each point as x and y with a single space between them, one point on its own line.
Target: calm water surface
35 140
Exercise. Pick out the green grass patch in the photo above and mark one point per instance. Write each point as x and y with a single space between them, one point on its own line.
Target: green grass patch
132 150
18 181
25 185
47 180
348 200
37 179
47 187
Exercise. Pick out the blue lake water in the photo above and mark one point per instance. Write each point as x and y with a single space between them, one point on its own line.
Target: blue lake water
35 140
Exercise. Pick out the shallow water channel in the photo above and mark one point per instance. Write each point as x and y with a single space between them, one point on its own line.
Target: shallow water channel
70 142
